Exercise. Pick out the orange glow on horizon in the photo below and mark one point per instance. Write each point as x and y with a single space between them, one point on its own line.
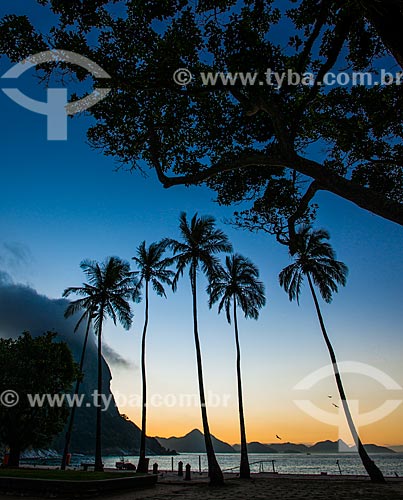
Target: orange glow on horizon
295 428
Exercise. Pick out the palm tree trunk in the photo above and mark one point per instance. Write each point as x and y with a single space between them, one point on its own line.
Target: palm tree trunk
374 473
244 470
142 465
73 410
98 435
214 471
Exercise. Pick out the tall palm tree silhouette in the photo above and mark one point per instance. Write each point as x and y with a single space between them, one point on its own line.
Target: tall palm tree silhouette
109 286
237 285
197 249
88 314
315 258
152 270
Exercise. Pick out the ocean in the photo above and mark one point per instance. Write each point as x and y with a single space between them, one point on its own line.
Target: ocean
283 463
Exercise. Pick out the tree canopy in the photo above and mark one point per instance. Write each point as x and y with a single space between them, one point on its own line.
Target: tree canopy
34 366
273 146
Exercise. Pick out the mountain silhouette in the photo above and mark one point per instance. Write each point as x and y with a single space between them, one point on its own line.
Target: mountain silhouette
23 309
193 442
333 447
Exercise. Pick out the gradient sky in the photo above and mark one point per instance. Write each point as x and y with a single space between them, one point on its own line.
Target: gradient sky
62 202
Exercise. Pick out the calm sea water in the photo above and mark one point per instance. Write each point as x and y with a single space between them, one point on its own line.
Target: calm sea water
284 463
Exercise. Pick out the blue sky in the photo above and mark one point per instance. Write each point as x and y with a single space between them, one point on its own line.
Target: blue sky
62 202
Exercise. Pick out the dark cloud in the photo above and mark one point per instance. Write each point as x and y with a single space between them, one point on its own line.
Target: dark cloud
114 358
23 309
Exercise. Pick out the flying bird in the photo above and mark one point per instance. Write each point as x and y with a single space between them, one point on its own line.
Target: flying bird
334 405
330 397
278 437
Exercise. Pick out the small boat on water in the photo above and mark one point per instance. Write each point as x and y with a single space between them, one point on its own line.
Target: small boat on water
124 465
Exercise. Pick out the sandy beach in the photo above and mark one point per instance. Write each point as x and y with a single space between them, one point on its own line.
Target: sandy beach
266 488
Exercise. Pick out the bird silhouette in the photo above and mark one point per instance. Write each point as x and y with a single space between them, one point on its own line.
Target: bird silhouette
278 437
330 397
334 405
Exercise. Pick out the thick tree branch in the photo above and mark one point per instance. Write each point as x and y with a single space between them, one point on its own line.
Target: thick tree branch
340 34
320 22
364 197
386 17
204 175
276 114
327 180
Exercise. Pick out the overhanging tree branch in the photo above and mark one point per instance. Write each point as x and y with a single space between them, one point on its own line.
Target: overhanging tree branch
327 180
386 17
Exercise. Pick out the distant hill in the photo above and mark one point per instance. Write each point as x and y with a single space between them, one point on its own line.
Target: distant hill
320 447
289 447
333 447
256 447
327 446
193 442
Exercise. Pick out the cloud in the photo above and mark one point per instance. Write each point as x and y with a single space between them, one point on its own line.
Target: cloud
23 309
14 255
5 278
19 251
114 358
15 260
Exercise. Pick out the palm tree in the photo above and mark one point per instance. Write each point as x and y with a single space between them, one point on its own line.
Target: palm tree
152 269
237 285
200 242
89 315
316 259
109 286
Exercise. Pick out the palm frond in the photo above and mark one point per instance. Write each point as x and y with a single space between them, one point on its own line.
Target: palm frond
237 281
314 256
110 284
